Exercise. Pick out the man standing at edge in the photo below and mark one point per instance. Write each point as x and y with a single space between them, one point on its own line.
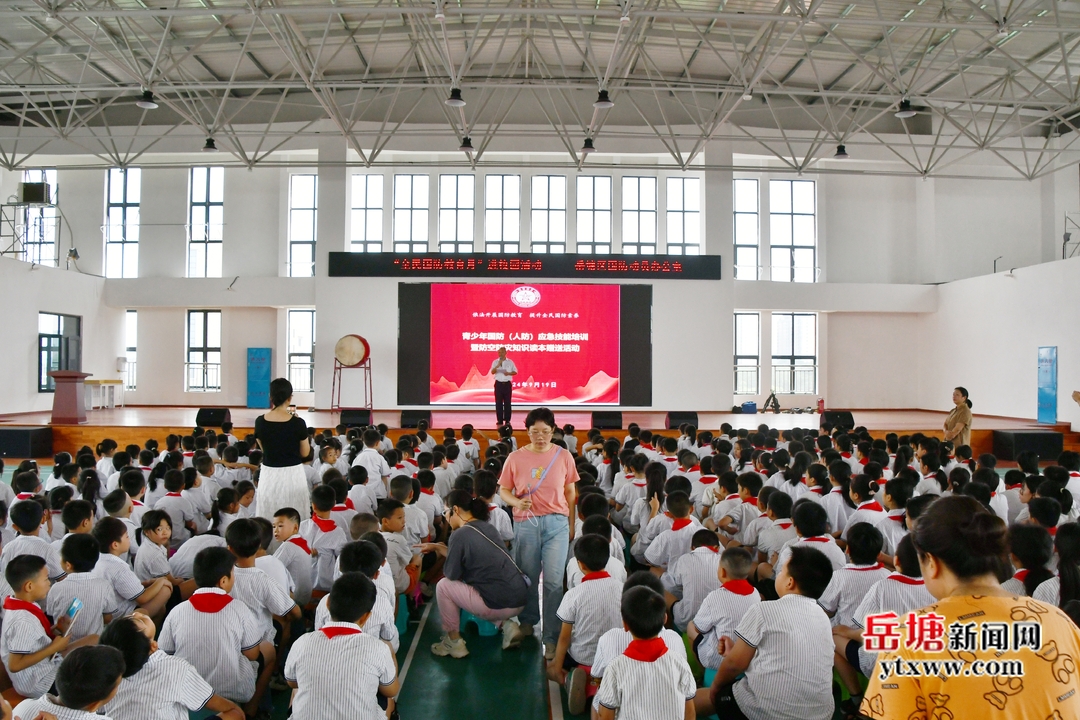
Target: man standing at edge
503 370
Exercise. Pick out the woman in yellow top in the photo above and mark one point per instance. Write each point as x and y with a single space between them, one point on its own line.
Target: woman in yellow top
958 423
962 548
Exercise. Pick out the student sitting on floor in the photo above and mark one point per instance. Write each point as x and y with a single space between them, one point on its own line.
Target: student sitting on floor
264 596
181 511
690 579
780 531
86 680
673 543
365 557
1031 548
851 583
724 607
738 517
586 612
323 536
1044 512
152 560
77 518
339 671
595 525
157 685
399 553
811 525
79 555
647 681
131 593
486 487
294 553
27 517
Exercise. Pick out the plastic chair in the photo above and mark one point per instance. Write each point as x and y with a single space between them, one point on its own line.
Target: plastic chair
485 628
710 675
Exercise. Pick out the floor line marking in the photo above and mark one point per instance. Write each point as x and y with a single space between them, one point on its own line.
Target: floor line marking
412 648
554 700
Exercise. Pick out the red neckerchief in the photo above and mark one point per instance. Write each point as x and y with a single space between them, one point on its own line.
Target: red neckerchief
846 456
899 517
300 543
1021 574
671 459
710 548
1017 486
324 525
341 507
818 489
13 603
646 446
25 496
143 467
136 503
739 587
733 496
427 491
696 468
707 479
606 461
399 466
837 490
1052 531
1073 473
864 461
209 602
467 442
349 505
820 538
189 454
680 523
784 525
752 501
596 575
871 505
646 650
173 494
333 632
637 484
905 579
875 566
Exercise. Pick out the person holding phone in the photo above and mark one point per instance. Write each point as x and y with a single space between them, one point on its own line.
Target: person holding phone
504 370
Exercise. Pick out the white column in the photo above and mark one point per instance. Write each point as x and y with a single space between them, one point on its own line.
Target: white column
717 239
333 201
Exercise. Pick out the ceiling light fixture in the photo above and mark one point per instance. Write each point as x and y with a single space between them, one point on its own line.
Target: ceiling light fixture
146 102
603 101
624 20
1002 29
841 153
466 145
588 147
906 111
210 145
455 99
439 14
747 95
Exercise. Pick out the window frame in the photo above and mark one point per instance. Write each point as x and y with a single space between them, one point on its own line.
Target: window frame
595 216
129 213
206 350
418 215
678 217
502 216
131 350
359 222
294 268
65 344
789 363
463 215
204 239
302 378
546 246
746 247
756 358
637 217
790 271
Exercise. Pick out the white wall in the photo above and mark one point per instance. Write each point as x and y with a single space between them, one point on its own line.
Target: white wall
873 360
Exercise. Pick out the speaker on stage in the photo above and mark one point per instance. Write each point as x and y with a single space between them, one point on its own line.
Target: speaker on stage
838 419
26 442
675 419
355 417
412 418
607 420
212 417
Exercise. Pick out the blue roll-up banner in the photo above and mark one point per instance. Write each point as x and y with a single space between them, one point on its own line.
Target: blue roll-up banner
1048 385
258 377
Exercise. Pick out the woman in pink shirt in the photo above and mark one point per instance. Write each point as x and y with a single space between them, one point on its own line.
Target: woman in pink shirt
538 481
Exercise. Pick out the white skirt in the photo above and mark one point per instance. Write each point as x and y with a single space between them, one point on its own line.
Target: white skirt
281 487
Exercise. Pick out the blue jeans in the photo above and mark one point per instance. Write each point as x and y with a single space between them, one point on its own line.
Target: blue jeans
543 546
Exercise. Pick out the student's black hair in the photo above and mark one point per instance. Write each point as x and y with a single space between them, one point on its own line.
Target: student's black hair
401 488
27 482
323 498
704 538
678 504
81 551
375 538
361 556
108 530
351 597
389 506
1067 544
113 503
597 525
1045 511
76 512
26 516
243 538
979 491
593 552
1053 488
88 675
1034 547
152 520
916 506
799 465
810 569
864 543
908 557
644 612
225 498
810 519
841 472
593 503
340 488
485 484
60 496
964 535
780 503
288 512
729 481
737 561
211 564
864 487
124 635
643 578
22 569
764 494
476 506
174 480
752 482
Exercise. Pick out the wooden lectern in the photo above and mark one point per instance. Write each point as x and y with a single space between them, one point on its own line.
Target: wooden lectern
69 399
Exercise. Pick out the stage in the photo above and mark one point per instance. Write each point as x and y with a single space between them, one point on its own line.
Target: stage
134 425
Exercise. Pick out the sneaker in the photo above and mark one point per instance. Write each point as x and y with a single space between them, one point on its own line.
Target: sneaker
576 682
549 651
278 683
526 629
453 648
511 635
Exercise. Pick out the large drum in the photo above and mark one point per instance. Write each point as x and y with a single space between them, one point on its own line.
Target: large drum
352 350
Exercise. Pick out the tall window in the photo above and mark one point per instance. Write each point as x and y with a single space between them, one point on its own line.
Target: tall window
40 223
639 215
794 357
131 344
410 213
302 350
548 214
502 214
366 225
747 353
683 216
303 224
59 347
594 215
203 351
206 221
456 213
746 229
792 230
122 222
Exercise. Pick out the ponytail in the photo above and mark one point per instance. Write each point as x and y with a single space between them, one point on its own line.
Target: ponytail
475 506
799 465
863 486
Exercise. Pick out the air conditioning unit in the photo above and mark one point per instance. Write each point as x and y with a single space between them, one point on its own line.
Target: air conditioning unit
34 193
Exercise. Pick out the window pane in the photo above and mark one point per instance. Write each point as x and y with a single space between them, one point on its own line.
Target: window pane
494 190
802 194
805 335
198 184
746 334
557 192
374 191
303 191
780 196
134 183
213 329
692 194
781 265
585 193
746 196
674 193
780 226
630 193
217 184
302 226
803 230
603 193
402 191
746 229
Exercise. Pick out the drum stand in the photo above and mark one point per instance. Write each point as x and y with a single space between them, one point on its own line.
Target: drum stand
335 388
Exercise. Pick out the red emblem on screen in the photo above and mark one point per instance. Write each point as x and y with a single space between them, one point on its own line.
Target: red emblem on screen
525 296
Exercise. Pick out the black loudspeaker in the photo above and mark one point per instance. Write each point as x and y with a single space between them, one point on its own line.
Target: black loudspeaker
212 417
26 442
607 420
838 419
412 418
1010 443
355 417
675 419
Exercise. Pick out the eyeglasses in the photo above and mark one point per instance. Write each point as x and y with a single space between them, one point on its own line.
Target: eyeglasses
536 432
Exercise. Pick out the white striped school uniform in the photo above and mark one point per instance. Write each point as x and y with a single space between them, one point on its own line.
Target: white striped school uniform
928 485
795 491
32 545
51 704
1012 498
1016 586
790 676
701 494
343 515
444 481
375 464
847 588
693 474
754 529
744 514
775 480
202 505
646 690
181 511
165 688
295 555
339 675
672 465
263 596
363 499
720 613
416 525
724 507
380 624
431 504
867 512
649 532
182 563
612 644
213 642
638 518
895 593
690 579
838 510
632 491
892 530
1048 591
224 521
105 468
672 544
826 544
152 561
593 608
123 580
774 536
501 520
132 528
614 568
470 450
23 634
97 597
328 544
999 504
277 572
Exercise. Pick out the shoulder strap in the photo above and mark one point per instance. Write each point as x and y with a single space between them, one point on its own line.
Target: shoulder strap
501 547
543 476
